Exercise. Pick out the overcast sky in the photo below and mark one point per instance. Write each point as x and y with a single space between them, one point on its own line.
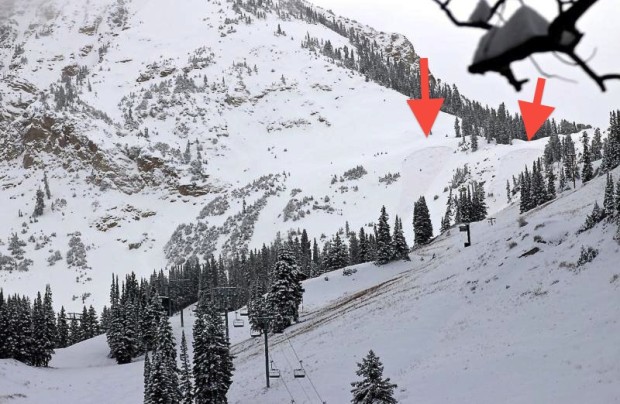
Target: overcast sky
450 50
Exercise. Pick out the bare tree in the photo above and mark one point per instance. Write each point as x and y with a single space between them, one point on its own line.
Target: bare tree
559 36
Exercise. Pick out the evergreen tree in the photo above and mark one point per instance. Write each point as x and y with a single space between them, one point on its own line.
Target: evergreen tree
551 193
422 225
373 388
338 256
149 320
587 172
163 381
41 348
122 336
354 249
364 249
75 335
608 201
474 140
562 186
286 290
399 243
62 325
46 186
383 239
597 145
457 127
213 363
185 376
39 205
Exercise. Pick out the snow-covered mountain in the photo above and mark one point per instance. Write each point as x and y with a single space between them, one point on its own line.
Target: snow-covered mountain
150 115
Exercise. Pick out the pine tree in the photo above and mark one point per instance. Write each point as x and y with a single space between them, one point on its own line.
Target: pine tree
597 145
74 332
213 363
373 388
163 381
46 186
40 351
62 326
551 193
399 243
446 222
39 205
384 239
474 140
354 249
422 225
185 374
587 172
608 201
338 256
457 127
364 252
286 290
149 320
508 194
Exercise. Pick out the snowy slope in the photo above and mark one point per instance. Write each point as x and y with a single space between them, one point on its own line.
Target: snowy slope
483 324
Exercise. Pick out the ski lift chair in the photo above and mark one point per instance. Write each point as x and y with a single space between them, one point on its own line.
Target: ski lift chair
255 333
299 373
274 373
237 322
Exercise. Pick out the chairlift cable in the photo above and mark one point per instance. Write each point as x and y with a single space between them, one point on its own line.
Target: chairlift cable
307 372
284 382
293 367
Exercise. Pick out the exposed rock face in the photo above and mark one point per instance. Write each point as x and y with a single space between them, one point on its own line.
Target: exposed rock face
193 190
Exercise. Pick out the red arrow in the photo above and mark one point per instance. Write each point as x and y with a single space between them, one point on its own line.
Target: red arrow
425 109
534 113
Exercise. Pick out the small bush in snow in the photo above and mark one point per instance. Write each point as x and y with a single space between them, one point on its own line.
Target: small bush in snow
593 218
587 255
522 222
349 271
512 245
55 257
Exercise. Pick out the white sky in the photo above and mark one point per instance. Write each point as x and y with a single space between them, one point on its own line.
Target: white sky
450 50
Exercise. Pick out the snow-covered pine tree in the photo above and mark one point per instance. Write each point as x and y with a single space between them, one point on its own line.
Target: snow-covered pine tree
46 186
213 363
63 329
75 334
538 193
384 239
474 140
364 251
39 204
457 127
40 354
163 381
609 201
587 172
597 145
286 291
354 249
49 320
422 225
373 388
399 243
338 256
185 374
551 193
508 194
4 325
149 320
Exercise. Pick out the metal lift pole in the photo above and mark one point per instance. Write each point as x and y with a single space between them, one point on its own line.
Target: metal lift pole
266 356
